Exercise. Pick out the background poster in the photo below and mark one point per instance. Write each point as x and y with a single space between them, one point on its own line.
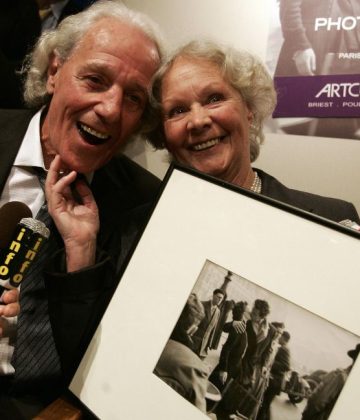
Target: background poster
314 56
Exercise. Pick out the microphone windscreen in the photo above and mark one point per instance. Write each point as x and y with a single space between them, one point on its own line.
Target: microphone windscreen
10 215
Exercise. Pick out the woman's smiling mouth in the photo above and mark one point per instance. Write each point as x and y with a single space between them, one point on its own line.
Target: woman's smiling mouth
207 144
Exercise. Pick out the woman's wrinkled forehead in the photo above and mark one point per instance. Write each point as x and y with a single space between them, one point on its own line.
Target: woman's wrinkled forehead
184 59
215 66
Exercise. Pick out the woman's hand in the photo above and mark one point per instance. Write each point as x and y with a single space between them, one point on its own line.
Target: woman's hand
76 218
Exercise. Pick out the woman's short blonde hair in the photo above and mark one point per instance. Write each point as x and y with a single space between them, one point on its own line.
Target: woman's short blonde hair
242 70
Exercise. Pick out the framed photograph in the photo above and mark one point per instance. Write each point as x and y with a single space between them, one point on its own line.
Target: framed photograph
229 295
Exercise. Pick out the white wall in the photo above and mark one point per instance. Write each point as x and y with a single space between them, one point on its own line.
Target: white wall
315 164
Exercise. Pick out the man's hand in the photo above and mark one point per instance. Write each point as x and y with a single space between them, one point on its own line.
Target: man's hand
10 305
239 326
77 222
305 61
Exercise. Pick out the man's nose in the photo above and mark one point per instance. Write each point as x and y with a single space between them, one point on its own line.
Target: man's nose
199 117
110 105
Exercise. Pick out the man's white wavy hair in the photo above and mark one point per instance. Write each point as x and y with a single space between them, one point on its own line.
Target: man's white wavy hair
63 39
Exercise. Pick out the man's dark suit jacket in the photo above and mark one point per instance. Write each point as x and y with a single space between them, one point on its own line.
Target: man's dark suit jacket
124 193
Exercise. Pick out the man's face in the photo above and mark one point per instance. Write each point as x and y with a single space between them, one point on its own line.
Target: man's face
217 298
255 315
99 95
282 340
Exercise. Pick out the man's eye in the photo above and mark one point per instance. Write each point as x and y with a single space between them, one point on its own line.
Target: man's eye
134 101
94 79
216 97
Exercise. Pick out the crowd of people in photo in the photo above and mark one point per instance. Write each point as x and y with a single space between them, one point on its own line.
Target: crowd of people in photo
252 362
94 77
249 366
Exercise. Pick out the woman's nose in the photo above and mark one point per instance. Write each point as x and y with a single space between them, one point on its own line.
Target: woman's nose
199 117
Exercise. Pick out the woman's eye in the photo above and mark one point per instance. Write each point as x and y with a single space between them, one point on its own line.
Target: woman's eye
176 111
216 97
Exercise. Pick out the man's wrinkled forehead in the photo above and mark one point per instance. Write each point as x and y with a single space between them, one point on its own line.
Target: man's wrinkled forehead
126 41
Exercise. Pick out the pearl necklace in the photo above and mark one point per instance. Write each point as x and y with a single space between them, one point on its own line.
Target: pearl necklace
256 184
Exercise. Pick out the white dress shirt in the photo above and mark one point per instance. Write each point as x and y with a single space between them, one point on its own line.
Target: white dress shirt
22 184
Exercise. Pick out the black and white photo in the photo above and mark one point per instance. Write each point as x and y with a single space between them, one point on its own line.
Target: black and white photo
261 357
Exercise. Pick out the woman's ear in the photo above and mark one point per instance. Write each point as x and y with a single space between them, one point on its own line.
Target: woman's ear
52 72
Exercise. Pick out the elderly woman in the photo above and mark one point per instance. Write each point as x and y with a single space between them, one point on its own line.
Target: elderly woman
213 103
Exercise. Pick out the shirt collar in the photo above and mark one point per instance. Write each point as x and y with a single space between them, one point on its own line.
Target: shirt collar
30 152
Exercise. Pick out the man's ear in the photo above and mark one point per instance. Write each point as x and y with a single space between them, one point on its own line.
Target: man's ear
52 72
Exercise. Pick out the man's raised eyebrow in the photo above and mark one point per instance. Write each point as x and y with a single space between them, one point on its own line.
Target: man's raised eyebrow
95 66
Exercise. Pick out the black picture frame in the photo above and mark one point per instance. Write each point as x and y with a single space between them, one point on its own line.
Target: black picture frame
307 260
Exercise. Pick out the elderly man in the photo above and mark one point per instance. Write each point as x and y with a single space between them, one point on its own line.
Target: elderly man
87 86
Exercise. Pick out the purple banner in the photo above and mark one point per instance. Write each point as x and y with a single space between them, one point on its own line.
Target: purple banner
318 96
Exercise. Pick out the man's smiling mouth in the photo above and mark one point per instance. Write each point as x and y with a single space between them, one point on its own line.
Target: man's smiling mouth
207 144
92 136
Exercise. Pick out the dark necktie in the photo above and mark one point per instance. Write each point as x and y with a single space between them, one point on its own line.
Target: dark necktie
35 359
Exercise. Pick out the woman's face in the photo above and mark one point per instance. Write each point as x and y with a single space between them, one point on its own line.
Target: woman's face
206 121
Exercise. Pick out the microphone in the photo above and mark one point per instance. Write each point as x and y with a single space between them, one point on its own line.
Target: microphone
10 215
21 239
